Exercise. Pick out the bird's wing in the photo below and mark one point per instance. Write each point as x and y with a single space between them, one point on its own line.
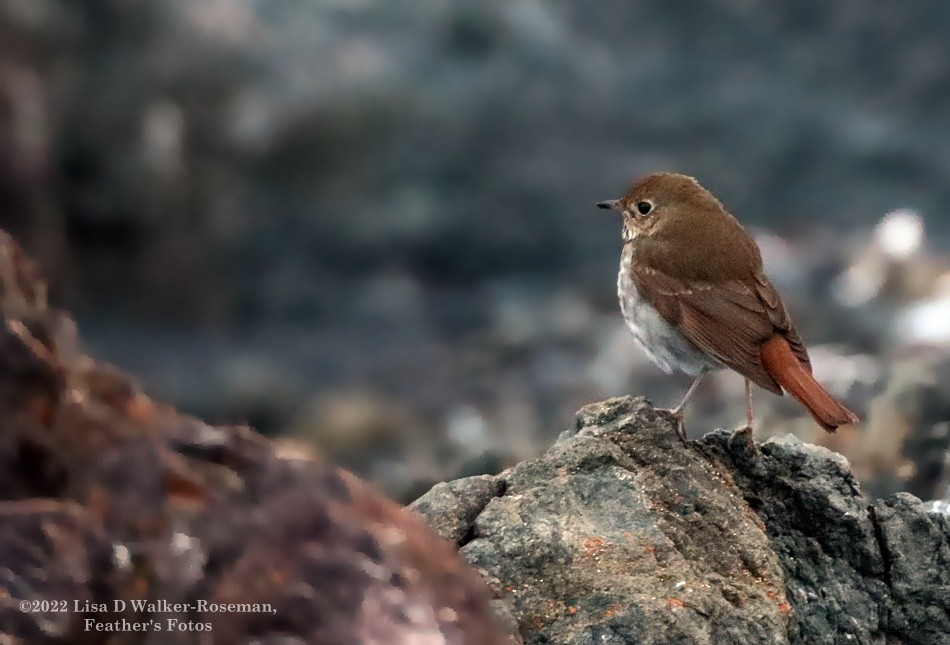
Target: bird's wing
729 320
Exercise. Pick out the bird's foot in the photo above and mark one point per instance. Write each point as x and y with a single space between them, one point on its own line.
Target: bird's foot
742 434
679 425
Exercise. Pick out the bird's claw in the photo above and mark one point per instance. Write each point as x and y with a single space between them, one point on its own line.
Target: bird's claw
742 433
680 426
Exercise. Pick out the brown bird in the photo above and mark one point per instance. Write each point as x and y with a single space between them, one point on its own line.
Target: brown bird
693 292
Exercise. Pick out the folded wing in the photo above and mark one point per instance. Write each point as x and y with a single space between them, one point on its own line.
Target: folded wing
729 320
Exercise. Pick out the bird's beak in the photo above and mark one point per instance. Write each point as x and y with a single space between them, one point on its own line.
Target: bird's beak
610 204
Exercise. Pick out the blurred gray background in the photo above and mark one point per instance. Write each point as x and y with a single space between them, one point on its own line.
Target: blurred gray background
369 225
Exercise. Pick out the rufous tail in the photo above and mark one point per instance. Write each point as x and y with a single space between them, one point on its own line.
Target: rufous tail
779 361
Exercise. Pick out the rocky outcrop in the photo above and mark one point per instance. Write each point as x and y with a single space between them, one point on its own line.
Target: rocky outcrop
107 496
621 533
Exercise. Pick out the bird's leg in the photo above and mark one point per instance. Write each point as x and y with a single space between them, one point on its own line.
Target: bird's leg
746 431
749 412
677 412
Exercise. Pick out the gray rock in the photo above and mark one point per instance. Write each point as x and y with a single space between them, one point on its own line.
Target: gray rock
824 531
917 555
458 503
620 533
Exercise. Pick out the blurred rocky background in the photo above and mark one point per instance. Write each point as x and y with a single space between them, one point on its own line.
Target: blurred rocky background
370 225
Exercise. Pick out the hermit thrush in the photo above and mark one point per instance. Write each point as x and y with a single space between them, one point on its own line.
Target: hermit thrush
693 292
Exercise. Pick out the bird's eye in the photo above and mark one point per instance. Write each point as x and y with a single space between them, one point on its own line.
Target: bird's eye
644 207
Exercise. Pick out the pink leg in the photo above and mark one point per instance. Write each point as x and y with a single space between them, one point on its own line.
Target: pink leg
677 412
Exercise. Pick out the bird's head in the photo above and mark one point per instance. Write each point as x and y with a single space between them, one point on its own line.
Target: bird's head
659 202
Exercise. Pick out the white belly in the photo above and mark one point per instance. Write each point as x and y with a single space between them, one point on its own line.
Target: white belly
661 342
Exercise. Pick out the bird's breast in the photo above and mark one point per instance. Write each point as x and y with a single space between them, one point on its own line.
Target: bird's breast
662 342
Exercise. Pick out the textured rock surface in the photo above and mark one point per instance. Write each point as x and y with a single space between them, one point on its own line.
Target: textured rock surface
107 495
621 533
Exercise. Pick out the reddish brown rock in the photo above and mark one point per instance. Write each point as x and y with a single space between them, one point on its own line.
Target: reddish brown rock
110 496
